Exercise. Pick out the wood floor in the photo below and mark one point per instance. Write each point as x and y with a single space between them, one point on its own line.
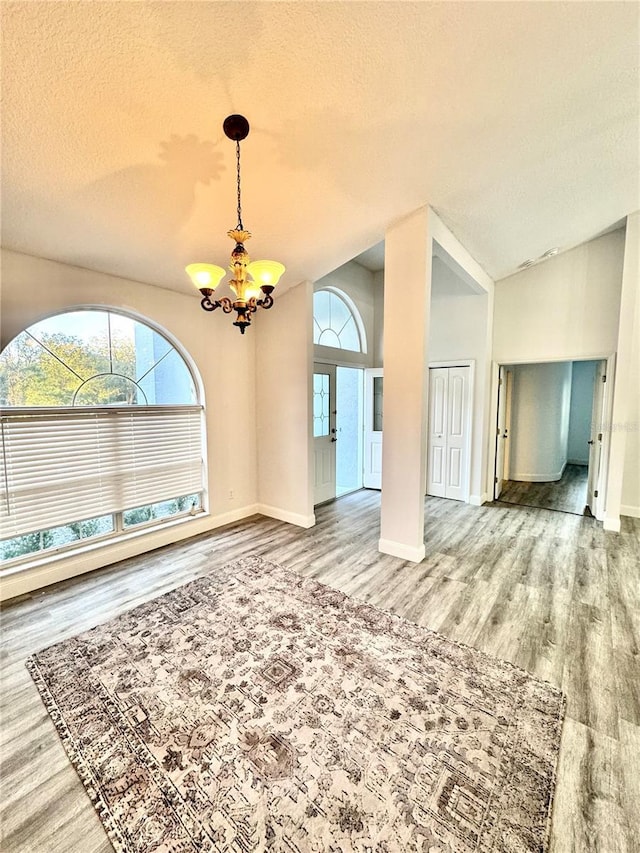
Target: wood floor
549 591
569 494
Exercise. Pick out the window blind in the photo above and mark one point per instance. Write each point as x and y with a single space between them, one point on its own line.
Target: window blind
64 466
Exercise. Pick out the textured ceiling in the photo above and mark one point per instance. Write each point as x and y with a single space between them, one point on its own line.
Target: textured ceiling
518 122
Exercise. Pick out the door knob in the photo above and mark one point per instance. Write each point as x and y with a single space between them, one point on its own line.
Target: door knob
590 442
334 439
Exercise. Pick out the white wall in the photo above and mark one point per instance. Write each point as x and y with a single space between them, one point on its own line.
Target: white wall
582 379
33 288
458 331
284 359
358 283
540 408
623 494
630 503
564 308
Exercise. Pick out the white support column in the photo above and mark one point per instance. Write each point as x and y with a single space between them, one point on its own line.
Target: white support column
623 390
407 298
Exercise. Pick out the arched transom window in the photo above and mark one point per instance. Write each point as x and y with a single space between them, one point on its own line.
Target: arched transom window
101 432
337 322
93 358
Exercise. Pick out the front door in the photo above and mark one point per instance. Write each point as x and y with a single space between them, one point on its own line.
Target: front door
373 428
324 432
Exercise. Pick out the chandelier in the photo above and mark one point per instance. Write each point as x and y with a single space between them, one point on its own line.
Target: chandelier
250 278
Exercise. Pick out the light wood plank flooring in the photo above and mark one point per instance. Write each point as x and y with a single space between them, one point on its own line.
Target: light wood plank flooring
549 591
569 494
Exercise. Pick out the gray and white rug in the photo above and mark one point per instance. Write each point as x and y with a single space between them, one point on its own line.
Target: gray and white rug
256 710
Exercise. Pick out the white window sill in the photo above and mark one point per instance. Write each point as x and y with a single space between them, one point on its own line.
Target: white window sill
69 552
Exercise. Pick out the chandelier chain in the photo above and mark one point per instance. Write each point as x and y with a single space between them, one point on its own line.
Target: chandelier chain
240 225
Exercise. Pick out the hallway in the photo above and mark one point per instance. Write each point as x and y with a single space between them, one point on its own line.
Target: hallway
568 494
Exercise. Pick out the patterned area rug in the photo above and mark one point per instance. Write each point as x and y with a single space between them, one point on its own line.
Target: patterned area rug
256 710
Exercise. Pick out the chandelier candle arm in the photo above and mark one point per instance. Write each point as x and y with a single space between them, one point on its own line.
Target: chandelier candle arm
250 278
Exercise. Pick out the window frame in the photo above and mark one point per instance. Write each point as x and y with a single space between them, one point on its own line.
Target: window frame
120 532
355 315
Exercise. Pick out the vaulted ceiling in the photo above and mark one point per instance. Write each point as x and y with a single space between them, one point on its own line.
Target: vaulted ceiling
518 122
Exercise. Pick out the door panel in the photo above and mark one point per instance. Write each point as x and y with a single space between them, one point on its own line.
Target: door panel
507 425
324 432
439 406
438 391
500 432
349 429
375 463
373 415
456 406
457 433
595 439
449 430
436 472
454 469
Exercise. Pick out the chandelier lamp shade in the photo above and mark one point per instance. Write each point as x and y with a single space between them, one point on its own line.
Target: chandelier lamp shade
252 282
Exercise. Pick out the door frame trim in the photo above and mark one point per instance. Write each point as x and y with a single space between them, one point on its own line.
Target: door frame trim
471 364
607 412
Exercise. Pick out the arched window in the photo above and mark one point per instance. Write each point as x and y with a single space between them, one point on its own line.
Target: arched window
337 322
101 432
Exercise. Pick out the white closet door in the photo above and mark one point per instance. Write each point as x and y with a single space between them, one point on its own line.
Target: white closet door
449 424
457 438
438 409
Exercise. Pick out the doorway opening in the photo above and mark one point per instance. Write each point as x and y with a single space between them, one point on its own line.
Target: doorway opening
338 413
549 435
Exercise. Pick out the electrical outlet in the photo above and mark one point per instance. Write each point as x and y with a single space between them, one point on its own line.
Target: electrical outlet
230 494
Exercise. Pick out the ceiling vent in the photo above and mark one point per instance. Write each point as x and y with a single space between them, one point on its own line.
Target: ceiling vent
531 261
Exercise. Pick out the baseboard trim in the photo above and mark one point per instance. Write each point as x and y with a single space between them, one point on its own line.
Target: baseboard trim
61 567
478 500
399 549
296 518
630 511
612 523
536 478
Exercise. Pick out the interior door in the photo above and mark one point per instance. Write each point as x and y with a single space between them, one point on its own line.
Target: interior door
437 461
373 398
595 438
501 433
457 433
324 432
449 425
506 437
